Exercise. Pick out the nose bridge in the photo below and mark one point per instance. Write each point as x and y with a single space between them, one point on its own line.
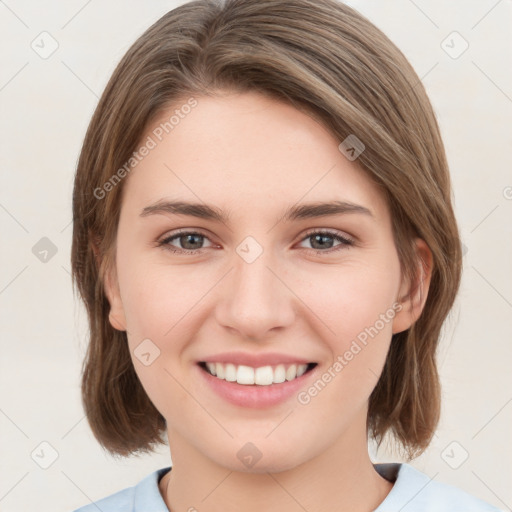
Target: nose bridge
255 300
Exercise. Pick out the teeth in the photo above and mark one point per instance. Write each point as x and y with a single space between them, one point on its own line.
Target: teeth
301 369
279 374
291 373
219 371
262 376
230 373
244 375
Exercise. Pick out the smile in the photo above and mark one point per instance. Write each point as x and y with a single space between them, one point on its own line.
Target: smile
261 376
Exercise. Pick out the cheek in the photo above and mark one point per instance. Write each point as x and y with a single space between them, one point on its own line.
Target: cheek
157 307
161 305
157 297
353 298
357 304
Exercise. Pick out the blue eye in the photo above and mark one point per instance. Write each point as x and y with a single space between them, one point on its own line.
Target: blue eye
191 242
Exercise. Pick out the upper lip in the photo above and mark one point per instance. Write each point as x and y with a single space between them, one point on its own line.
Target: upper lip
254 360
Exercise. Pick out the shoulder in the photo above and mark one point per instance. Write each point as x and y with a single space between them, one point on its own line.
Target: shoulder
142 497
415 491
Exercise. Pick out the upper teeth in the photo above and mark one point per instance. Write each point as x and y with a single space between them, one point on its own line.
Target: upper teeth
262 376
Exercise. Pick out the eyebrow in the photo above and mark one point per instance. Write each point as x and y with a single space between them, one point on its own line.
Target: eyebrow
295 212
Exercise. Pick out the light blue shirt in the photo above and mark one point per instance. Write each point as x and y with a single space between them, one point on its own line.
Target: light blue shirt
413 491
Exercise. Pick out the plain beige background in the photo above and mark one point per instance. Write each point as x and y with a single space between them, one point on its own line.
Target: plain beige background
46 104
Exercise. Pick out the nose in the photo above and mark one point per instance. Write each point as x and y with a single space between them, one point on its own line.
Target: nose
255 299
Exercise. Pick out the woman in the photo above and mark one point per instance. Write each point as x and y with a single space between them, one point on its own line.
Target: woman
266 246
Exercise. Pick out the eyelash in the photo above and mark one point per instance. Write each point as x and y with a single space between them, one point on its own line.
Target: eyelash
344 242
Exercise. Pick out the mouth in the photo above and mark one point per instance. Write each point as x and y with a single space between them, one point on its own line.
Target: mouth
260 376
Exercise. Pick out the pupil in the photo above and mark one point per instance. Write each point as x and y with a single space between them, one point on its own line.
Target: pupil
323 237
189 237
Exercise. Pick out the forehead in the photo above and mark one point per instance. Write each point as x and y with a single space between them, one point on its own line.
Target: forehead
246 152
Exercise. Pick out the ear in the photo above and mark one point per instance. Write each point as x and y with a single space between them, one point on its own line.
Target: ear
412 296
116 315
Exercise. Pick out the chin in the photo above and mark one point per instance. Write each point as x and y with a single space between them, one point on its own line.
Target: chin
249 459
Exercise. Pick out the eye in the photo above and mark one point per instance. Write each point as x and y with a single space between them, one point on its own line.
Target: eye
190 242
321 241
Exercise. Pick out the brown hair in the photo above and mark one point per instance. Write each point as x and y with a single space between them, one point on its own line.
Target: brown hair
319 56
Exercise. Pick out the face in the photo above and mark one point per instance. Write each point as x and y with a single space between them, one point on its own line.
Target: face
292 305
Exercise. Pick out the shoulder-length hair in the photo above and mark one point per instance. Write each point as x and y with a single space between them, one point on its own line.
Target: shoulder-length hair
326 59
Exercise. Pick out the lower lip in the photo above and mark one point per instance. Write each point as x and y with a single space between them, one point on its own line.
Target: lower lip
254 396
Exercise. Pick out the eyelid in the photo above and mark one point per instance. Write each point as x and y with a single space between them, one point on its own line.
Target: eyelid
330 232
344 239
163 241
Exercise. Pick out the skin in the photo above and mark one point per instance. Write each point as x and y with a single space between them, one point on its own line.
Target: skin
253 157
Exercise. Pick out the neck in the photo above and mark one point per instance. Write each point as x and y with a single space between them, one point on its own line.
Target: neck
341 478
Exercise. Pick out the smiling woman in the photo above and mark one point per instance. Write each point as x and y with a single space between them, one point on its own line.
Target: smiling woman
292 238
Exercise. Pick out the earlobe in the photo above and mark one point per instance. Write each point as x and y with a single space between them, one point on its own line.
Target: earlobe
413 296
116 323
